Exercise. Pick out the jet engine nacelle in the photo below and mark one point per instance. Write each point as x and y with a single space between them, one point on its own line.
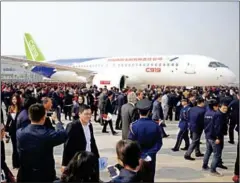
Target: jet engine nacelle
109 80
68 76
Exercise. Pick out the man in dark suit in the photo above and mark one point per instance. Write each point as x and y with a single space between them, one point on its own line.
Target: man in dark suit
196 126
129 114
35 145
57 103
120 102
102 98
80 136
108 110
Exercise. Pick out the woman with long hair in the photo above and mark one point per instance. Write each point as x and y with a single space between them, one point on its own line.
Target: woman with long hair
82 168
12 113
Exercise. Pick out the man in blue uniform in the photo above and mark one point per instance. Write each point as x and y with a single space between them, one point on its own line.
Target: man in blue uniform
214 131
183 125
222 120
147 133
211 138
196 121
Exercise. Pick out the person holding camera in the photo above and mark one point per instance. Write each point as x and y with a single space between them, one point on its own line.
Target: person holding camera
35 147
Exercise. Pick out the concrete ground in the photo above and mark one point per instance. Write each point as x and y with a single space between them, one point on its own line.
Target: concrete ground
171 166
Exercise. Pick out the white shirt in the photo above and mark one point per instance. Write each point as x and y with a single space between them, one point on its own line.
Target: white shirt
164 101
87 136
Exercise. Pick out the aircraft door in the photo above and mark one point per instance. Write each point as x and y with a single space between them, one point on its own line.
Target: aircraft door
190 68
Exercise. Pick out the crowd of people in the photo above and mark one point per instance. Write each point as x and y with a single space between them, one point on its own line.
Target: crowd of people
34 125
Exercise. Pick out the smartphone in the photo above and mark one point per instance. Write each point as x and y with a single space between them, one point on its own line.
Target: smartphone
112 171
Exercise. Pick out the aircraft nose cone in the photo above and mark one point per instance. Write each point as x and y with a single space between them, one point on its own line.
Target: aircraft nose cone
232 77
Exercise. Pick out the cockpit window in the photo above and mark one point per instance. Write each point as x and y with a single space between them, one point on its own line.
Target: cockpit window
222 65
216 64
213 64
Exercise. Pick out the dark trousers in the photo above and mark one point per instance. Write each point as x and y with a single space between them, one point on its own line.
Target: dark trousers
115 109
67 111
101 118
182 134
177 113
236 169
170 113
15 157
105 126
94 111
195 144
152 166
211 146
222 146
161 126
58 113
232 125
29 175
119 120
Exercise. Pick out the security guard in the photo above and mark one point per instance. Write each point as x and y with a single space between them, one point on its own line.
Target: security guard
183 125
147 133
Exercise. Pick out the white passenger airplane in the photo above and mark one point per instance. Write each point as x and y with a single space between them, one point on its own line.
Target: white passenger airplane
177 70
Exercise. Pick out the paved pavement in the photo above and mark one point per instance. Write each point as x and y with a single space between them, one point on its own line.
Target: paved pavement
171 166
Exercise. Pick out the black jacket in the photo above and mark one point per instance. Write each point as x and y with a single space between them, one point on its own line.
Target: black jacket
35 147
77 142
108 107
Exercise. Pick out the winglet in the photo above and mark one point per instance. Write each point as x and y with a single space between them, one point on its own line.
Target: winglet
31 49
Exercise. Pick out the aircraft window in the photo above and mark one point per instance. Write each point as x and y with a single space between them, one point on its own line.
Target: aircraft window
132 64
140 65
222 65
167 64
163 65
172 64
147 64
129 65
156 65
159 64
213 64
176 64
143 65
122 65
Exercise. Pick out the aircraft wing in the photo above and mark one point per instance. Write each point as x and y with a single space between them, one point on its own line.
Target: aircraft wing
19 61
